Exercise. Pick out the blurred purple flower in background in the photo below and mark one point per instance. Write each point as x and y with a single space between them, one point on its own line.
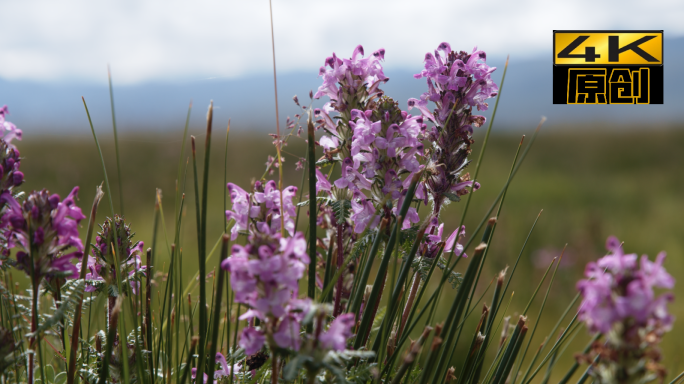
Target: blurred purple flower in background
619 301
618 288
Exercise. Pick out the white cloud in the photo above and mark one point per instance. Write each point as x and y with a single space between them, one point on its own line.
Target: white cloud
73 40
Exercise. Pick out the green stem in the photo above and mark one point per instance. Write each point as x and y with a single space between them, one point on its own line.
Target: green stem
311 163
116 141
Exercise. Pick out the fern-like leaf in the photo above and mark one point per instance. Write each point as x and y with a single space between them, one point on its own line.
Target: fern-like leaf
75 295
342 210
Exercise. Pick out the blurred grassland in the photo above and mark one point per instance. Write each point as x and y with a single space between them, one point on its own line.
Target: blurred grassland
590 182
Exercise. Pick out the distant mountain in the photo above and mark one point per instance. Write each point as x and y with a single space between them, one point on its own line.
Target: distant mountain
57 108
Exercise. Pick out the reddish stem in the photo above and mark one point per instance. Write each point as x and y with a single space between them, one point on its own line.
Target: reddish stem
409 303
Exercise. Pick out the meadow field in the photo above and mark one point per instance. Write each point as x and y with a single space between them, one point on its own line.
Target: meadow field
591 182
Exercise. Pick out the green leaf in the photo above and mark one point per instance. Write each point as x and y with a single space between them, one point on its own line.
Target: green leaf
452 196
319 199
49 373
112 291
379 316
325 162
75 295
61 378
342 210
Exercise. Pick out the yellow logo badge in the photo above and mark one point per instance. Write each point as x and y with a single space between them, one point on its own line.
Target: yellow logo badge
608 67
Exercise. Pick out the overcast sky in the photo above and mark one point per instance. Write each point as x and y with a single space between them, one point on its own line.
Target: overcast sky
162 41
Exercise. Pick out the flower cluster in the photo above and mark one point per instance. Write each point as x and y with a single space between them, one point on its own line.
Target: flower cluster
261 208
385 149
618 300
8 131
383 157
433 240
620 287
265 272
265 275
42 228
351 84
103 267
457 81
10 176
348 80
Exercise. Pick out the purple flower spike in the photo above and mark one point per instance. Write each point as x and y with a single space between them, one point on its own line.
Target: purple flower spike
42 228
619 300
618 289
456 82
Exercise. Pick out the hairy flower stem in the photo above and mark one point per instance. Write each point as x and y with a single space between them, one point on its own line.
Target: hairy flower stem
340 260
111 302
34 327
148 309
274 369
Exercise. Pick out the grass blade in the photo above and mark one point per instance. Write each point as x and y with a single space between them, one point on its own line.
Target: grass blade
71 371
373 299
116 140
312 208
217 307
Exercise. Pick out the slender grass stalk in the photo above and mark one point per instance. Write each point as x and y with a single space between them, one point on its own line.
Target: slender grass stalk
575 364
311 163
181 156
500 349
475 345
217 307
71 371
485 240
116 140
168 288
550 335
148 313
410 357
449 270
202 224
587 372
105 372
233 350
541 310
388 320
188 363
278 139
229 301
676 379
456 312
555 347
118 307
373 299
169 308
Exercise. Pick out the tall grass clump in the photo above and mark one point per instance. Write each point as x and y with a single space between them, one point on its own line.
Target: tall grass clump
350 293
